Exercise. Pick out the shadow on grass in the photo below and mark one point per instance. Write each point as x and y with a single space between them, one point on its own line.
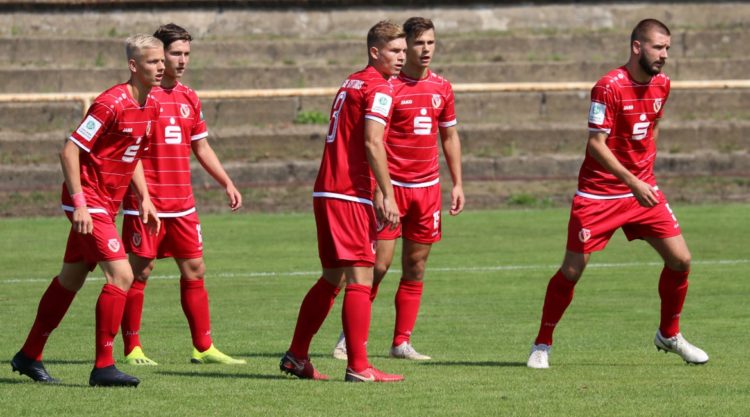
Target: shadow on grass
69 362
220 375
25 380
470 363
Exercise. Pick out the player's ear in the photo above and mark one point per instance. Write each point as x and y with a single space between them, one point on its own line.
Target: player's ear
132 65
635 47
374 53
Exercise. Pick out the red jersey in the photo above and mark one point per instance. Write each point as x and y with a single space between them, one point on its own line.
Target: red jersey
420 107
167 163
627 111
344 171
113 135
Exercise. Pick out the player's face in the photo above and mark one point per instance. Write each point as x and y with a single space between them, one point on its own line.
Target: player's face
654 52
177 56
419 51
389 58
148 66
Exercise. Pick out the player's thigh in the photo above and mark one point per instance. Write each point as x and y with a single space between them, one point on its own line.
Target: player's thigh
141 266
673 250
183 238
422 221
593 222
117 272
191 268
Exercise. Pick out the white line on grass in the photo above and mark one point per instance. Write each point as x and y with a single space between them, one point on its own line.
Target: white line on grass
469 269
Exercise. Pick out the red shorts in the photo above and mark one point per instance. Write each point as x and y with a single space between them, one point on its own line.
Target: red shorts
178 237
593 221
420 215
103 244
346 232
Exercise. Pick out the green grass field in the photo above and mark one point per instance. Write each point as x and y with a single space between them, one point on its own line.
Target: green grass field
480 313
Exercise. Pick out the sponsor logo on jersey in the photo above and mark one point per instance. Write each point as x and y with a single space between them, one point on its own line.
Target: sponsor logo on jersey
403 102
353 84
597 112
184 110
89 128
382 104
584 235
436 101
628 107
127 130
137 240
657 105
114 245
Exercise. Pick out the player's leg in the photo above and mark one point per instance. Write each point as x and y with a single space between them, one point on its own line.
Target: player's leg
383 259
194 300
312 313
131 319
408 298
52 308
356 314
673 287
109 311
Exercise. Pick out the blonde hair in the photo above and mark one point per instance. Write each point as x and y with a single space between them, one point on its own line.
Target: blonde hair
382 33
134 44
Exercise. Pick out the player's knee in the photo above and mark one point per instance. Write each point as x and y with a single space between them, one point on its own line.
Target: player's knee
680 263
381 269
571 272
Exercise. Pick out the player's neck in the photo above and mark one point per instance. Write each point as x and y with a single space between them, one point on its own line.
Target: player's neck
138 91
415 72
637 73
168 82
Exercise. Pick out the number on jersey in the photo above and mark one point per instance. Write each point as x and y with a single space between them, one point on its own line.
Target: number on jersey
338 104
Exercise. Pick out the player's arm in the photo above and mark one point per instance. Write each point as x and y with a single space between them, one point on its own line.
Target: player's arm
597 147
452 151
376 156
147 210
210 162
70 159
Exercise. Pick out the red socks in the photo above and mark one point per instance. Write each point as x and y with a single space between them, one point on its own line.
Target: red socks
673 287
109 310
558 298
194 299
52 308
408 297
312 313
356 320
131 319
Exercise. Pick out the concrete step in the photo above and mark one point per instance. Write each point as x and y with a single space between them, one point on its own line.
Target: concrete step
216 78
71 53
305 142
47 177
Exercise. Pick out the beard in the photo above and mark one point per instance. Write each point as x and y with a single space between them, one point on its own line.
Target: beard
649 67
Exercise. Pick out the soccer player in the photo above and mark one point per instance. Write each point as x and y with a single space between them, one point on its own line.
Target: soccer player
180 130
617 189
343 206
98 161
423 106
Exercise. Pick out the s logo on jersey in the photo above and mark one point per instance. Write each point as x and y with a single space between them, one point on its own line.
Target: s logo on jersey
436 101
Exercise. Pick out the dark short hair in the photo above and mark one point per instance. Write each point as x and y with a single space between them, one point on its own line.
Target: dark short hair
641 30
170 33
383 32
414 27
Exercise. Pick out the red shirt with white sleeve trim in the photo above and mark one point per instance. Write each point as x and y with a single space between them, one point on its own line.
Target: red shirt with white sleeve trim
627 111
112 136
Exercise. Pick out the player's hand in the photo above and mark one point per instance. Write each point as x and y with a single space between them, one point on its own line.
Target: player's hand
82 222
457 200
234 197
646 195
391 214
149 217
377 201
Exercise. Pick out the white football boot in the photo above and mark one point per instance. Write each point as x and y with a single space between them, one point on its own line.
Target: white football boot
539 356
339 352
677 344
406 351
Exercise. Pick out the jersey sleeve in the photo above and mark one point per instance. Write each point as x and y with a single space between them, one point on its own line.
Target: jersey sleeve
200 130
603 107
98 120
379 103
448 116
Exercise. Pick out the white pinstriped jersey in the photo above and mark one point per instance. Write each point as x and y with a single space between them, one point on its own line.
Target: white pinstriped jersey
627 111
